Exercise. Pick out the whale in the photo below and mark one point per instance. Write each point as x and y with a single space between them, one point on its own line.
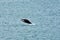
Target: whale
27 21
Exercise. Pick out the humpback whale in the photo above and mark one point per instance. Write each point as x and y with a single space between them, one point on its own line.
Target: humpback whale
26 21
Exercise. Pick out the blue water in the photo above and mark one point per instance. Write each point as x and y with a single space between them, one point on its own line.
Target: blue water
45 13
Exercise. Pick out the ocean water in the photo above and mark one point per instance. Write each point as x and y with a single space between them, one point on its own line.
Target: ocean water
44 13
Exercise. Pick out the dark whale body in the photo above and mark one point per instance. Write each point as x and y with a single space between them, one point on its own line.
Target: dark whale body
26 21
